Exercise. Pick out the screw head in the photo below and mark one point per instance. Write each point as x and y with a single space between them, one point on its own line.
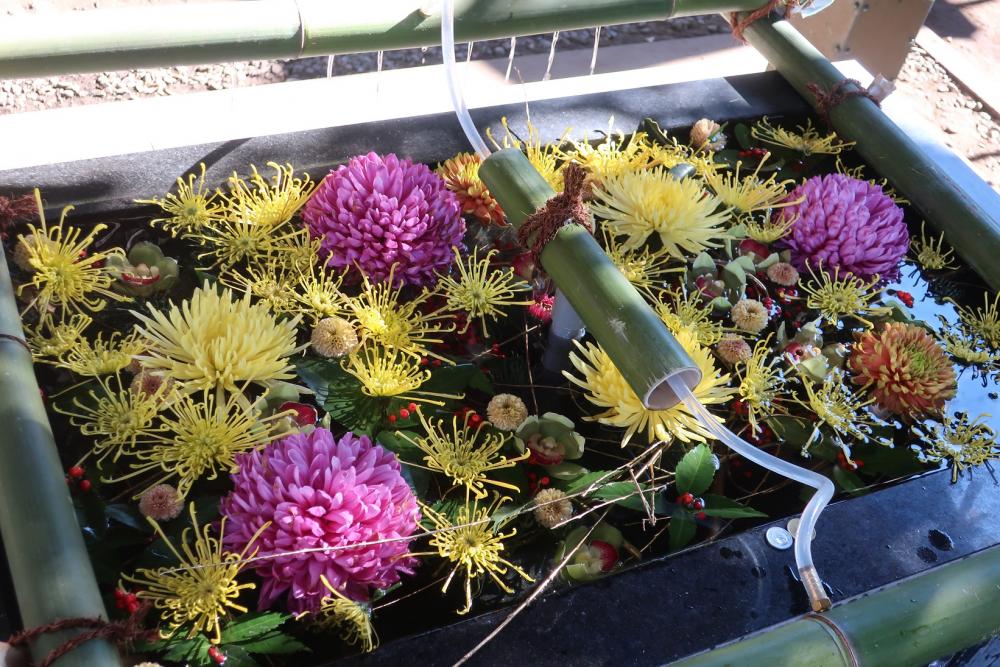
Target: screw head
779 538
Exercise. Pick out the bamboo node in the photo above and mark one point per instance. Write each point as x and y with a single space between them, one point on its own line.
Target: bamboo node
561 209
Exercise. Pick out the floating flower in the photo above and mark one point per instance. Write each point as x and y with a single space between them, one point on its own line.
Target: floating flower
99 356
550 440
645 269
322 507
706 134
807 140
66 273
161 503
199 438
750 315
144 271
334 337
750 193
770 229
354 619
114 417
480 291
543 157
966 347
836 406
474 546
732 349
605 387
383 317
49 340
686 311
215 342
463 452
639 204
192 208
202 589
506 412
982 322
267 203
783 273
385 373
461 176
552 508
272 284
961 442
835 297
541 308
842 222
376 213
761 384
316 293
232 241
930 253
617 154
592 552
904 369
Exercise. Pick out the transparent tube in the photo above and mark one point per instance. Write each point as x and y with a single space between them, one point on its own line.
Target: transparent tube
810 515
454 88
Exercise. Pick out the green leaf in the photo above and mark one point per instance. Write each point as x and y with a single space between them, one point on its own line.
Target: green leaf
681 528
791 430
726 508
626 495
848 481
274 642
696 470
581 483
237 656
253 625
194 650
128 516
742 134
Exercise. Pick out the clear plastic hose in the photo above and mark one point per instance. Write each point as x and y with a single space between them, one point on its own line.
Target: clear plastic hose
824 488
454 88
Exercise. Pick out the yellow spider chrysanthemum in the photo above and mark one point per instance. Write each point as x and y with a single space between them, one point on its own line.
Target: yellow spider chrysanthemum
982 322
605 387
353 619
296 252
481 291
837 406
544 157
199 438
316 293
807 141
682 213
67 272
191 208
966 347
683 311
463 453
100 357
268 203
116 418
49 339
769 229
270 283
214 341
930 252
202 589
750 193
838 297
617 154
960 441
382 317
645 269
473 545
388 373
237 240
761 384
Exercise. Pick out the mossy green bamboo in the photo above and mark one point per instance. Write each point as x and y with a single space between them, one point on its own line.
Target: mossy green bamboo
49 565
616 315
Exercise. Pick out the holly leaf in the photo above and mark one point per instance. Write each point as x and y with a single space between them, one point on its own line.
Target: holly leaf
727 508
274 642
627 495
695 471
681 528
237 656
194 650
584 481
249 626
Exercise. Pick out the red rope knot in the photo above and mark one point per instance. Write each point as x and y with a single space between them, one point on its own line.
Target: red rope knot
122 634
757 14
843 90
567 207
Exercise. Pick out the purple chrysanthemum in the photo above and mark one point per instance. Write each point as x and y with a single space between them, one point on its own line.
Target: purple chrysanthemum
375 212
845 222
321 493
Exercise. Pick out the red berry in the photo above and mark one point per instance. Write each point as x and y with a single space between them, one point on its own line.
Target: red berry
412 407
475 419
700 516
404 414
424 361
699 504
119 593
218 656
392 419
85 485
545 481
532 476
436 363
76 472
685 499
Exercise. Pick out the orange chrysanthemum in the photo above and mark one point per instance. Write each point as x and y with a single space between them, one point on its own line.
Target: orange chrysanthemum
461 176
905 369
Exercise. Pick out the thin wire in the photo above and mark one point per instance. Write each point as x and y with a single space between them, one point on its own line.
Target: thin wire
329 66
552 56
510 58
597 43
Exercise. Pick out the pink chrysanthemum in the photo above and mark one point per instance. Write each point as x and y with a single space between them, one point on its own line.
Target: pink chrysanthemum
320 493
846 222
374 212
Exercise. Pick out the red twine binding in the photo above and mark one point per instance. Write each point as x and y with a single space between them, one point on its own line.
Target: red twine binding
826 100
20 341
739 26
122 634
565 207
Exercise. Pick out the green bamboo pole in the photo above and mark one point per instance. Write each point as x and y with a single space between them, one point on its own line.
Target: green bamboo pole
52 574
969 219
99 40
616 315
910 622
